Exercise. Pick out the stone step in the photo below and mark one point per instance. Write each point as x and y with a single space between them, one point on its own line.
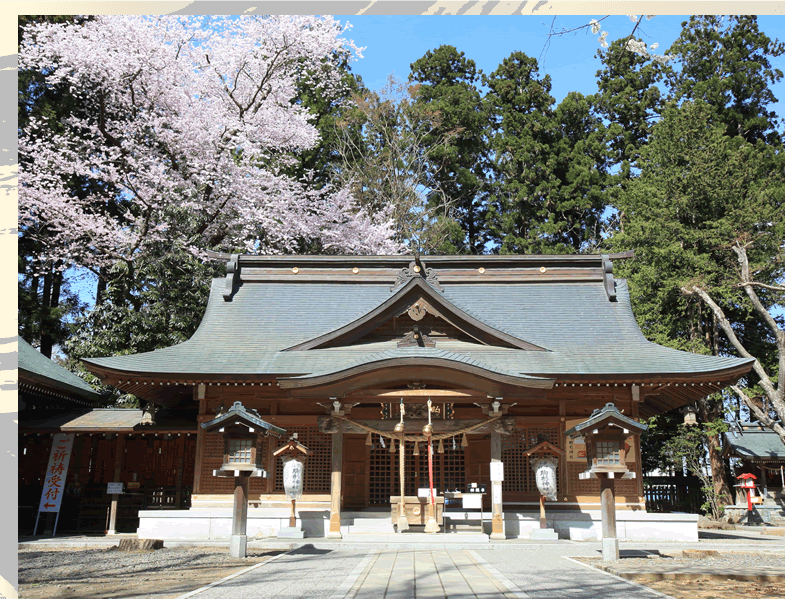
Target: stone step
418 538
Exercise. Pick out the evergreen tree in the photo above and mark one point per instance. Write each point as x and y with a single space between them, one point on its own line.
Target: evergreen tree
629 99
448 86
549 164
725 62
700 194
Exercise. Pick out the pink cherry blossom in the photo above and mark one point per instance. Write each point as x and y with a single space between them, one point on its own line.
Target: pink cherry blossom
186 123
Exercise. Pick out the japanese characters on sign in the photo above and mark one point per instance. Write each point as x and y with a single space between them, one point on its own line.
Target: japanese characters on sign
576 449
56 472
114 488
497 471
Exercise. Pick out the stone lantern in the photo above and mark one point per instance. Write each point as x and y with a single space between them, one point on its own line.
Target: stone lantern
605 433
293 455
241 429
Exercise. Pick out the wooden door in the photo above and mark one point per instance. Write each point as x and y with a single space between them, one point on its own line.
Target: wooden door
355 472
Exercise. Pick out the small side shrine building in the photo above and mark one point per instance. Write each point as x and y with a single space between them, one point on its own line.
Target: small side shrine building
511 351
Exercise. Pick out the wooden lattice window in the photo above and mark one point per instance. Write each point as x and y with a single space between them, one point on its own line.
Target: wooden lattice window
608 453
317 466
518 473
240 451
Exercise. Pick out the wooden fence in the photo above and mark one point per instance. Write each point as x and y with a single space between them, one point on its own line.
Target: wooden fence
673 494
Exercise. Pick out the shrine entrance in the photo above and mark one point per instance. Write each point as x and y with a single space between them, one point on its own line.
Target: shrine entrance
449 471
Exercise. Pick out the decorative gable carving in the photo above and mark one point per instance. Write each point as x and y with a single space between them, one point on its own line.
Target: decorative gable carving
417 268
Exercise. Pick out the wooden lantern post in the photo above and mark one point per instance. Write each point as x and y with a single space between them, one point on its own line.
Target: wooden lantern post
544 449
605 433
241 430
293 454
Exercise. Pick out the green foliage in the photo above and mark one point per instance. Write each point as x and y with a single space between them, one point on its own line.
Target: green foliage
725 62
448 85
660 429
157 305
628 97
688 448
699 192
549 167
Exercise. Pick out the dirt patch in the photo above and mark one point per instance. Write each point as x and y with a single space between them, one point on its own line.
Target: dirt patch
702 574
714 589
70 573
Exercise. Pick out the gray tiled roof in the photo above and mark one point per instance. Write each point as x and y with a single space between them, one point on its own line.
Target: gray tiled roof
755 442
46 372
607 411
584 332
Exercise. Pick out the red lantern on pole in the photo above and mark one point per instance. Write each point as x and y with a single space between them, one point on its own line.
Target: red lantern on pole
747 481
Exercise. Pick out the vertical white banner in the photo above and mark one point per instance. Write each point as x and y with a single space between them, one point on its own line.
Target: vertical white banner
56 472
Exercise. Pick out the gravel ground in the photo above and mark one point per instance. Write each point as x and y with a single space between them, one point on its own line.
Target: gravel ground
110 573
725 561
706 578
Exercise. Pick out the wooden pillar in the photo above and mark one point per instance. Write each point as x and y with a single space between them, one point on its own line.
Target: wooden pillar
610 543
238 544
335 487
497 520
178 484
118 466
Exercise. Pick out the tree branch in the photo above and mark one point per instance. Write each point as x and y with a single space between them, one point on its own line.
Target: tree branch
760 413
779 334
722 320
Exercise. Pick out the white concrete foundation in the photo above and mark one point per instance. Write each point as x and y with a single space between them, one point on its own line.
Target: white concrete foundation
216 523
238 546
610 549
543 534
288 532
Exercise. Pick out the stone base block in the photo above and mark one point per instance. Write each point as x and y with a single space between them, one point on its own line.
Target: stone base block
140 544
610 549
238 546
543 534
287 532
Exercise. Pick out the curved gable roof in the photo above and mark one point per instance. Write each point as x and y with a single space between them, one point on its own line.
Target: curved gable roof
415 289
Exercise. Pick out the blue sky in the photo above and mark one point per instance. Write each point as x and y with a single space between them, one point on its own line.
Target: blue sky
394 42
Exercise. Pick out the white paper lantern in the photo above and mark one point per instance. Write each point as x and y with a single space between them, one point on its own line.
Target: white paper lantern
293 472
545 476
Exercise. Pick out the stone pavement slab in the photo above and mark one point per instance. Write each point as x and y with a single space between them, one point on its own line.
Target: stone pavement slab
549 574
310 573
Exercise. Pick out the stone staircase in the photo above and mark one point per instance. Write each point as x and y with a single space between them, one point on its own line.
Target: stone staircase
375 526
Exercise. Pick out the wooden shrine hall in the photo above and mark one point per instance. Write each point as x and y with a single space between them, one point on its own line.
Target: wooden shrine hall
509 352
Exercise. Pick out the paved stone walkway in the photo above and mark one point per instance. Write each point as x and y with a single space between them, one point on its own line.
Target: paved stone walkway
413 573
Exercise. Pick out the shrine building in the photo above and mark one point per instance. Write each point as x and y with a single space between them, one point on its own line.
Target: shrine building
511 351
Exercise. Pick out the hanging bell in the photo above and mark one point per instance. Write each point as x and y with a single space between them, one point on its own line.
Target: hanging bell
416 448
392 445
464 441
427 430
440 449
398 427
368 440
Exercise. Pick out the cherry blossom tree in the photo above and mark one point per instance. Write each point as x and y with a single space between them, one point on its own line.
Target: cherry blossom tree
183 129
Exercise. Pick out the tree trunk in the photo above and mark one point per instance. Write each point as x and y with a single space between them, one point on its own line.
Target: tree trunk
711 410
100 287
46 337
